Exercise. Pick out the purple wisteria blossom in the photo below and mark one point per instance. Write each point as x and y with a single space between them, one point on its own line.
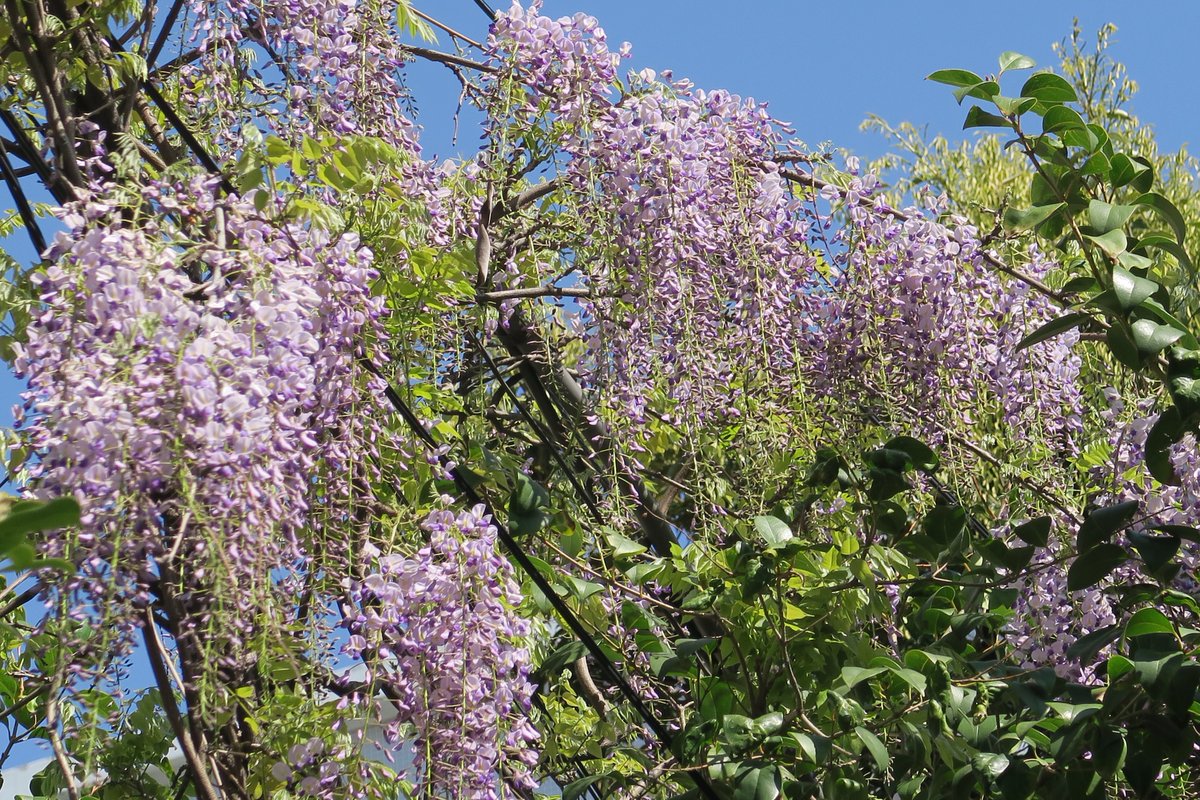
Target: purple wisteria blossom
194 383
442 637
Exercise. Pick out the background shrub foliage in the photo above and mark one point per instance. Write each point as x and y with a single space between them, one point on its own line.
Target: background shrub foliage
644 453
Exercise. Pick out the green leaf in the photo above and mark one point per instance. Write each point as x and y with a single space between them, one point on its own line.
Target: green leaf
804 743
526 504
1098 164
1053 328
1085 648
1146 621
1094 566
978 118
874 746
1049 88
1062 118
1151 337
775 532
1124 170
738 730
955 77
1166 431
919 453
1122 347
1113 243
1013 559
33 515
1130 289
1105 217
1168 245
1156 551
1013 106
575 789
1028 218
990 765
985 90
1010 60
1102 523
944 523
624 546
856 675
758 783
1167 210
1083 137
1035 532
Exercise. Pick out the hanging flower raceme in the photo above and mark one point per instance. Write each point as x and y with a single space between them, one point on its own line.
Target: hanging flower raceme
447 646
722 283
340 63
915 312
194 383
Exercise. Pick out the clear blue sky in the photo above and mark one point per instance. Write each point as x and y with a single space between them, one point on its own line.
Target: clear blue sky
825 66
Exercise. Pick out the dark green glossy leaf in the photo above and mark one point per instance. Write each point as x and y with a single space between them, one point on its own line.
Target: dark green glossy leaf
1049 88
955 77
1098 164
758 783
1167 210
576 789
1166 431
1035 532
1105 217
1124 170
1101 524
984 90
1122 347
1152 337
1093 566
990 765
1146 621
1085 648
944 523
1027 218
1013 106
919 454
1113 243
1053 328
978 118
1168 245
1083 137
1156 551
1062 118
773 531
1010 558
875 747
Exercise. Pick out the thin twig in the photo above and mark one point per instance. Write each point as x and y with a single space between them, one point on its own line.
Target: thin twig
60 753
157 653
533 291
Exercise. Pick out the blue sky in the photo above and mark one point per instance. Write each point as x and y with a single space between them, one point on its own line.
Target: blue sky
824 67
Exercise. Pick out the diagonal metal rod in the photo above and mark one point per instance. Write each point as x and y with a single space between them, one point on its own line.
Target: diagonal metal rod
36 237
485 8
539 580
163 34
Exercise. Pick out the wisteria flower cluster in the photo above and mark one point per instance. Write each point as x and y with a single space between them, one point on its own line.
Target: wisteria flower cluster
914 310
732 283
194 383
439 631
340 59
